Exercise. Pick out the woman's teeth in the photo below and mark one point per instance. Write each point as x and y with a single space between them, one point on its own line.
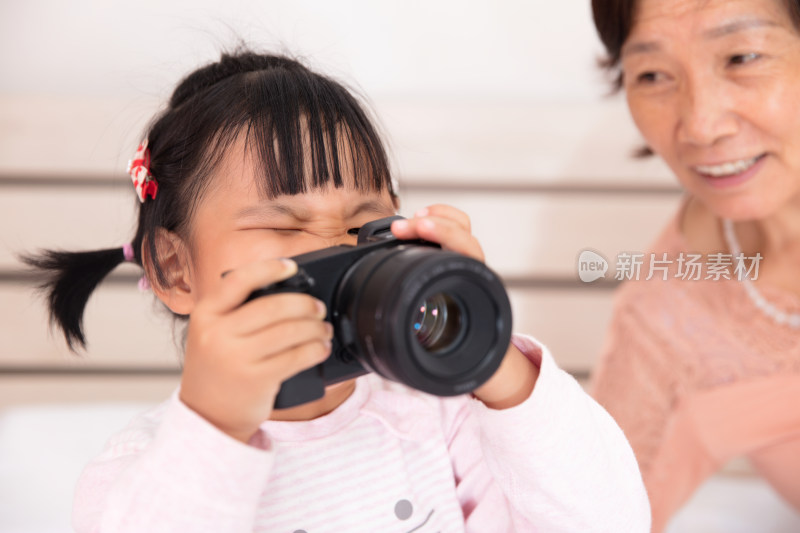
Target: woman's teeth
727 169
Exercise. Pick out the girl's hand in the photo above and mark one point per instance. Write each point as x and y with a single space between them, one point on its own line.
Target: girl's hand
444 225
512 384
447 226
238 355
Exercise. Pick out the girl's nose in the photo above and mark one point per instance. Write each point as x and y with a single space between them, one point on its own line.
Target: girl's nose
340 238
706 112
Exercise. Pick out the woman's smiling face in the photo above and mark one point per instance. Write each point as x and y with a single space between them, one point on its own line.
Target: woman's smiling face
714 88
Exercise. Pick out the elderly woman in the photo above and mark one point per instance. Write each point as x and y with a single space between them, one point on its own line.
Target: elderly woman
702 364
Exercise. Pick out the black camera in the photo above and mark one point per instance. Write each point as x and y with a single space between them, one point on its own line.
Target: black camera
437 321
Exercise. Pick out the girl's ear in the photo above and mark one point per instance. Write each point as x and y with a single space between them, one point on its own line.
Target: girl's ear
173 257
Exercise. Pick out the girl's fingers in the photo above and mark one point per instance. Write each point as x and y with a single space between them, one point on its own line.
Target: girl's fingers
288 363
235 286
450 234
284 336
449 212
263 312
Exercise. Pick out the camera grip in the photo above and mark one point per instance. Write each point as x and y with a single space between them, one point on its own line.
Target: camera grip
304 387
308 385
300 282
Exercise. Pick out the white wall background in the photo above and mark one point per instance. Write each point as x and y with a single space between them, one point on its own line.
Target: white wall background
535 49
505 89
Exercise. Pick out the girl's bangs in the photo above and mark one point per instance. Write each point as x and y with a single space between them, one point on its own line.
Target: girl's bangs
306 133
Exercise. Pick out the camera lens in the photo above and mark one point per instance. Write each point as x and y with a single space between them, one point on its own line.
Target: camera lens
438 322
409 312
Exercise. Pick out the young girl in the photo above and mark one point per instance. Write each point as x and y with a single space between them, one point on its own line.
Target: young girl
256 159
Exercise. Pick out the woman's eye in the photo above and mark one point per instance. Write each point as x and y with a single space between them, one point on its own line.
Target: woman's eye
741 59
649 77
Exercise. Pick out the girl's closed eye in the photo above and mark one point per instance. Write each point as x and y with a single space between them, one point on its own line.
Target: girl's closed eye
277 230
285 231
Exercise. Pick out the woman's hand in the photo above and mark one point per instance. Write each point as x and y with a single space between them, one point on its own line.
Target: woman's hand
451 229
238 355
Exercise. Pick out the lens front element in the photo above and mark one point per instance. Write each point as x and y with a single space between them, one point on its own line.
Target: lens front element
439 322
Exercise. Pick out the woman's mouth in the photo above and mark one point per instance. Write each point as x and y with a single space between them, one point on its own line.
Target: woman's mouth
730 173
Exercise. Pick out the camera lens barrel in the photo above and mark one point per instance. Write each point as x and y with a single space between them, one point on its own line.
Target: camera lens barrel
435 320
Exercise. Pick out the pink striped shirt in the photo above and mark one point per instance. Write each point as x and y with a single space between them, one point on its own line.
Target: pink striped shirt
389 459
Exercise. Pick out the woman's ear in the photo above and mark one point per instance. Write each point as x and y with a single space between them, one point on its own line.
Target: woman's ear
175 289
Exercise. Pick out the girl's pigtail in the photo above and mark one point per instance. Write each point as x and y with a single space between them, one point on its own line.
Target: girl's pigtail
70 278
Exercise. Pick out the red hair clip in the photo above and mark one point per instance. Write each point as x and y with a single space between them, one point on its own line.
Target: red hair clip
139 169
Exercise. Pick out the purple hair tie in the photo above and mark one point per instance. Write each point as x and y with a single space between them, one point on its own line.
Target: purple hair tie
127 251
144 284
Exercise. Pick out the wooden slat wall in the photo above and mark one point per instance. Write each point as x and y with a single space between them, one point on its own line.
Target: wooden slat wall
533 220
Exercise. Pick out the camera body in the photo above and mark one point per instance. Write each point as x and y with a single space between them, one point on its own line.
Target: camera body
434 320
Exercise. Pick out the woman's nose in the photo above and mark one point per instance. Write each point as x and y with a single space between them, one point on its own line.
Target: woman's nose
706 112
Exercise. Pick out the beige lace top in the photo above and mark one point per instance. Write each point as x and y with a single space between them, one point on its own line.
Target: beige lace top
696 375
